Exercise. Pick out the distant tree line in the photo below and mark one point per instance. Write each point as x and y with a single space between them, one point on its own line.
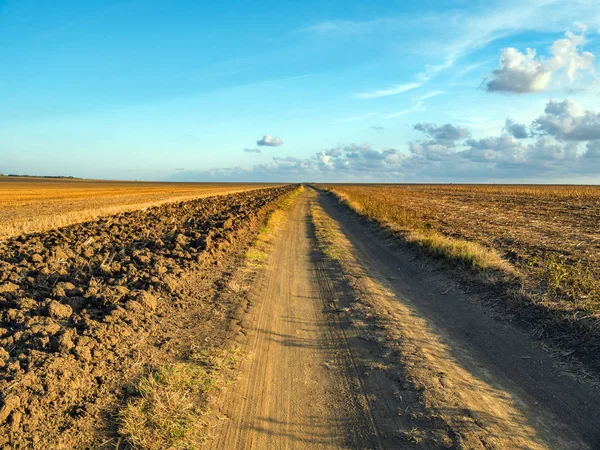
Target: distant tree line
37 176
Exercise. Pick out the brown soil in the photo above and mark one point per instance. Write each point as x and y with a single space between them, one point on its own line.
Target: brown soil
84 308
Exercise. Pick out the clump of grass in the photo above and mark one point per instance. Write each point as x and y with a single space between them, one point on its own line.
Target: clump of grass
256 256
169 406
468 253
572 280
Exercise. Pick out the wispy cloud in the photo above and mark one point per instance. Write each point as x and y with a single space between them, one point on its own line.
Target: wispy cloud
351 27
394 90
416 107
355 118
430 95
253 150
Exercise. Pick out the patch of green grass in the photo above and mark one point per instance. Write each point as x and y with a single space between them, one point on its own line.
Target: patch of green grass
572 280
255 255
258 253
287 201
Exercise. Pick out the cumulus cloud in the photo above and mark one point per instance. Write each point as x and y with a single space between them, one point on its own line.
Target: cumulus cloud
567 120
593 151
563 143
443 135
516 130
269 141
253 150
356 159
521 73
497 149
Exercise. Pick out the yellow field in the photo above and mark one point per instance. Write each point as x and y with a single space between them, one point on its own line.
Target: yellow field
30 205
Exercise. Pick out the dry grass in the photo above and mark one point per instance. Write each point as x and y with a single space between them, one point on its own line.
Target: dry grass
549 234
259 252
29 205
470 253
466 252
170 401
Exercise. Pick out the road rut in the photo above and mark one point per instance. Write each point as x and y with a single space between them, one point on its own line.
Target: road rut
295 390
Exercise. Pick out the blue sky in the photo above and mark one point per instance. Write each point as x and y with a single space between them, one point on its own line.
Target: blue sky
340 91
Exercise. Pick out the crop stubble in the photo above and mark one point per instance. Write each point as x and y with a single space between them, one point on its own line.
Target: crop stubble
549 234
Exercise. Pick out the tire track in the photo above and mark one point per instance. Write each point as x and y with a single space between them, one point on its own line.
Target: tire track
295 390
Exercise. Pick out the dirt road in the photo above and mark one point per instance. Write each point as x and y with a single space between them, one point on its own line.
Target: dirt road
352 343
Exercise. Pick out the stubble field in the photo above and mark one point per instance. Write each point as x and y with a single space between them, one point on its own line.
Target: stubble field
546 236
29 205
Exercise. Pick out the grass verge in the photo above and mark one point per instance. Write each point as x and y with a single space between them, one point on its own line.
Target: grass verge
169 407
258 253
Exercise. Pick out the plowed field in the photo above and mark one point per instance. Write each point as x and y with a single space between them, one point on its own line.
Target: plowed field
30 205
80 303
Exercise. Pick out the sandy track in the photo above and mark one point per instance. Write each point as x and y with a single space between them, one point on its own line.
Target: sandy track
293 391
318 376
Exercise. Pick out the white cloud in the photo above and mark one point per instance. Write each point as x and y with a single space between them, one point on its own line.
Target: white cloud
269 141
567 120
516 130
430 95
351 27
355 118
445 134
521 73
565 145
417 106
394 90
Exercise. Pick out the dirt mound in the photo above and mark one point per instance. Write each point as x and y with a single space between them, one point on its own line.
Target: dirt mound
76 303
